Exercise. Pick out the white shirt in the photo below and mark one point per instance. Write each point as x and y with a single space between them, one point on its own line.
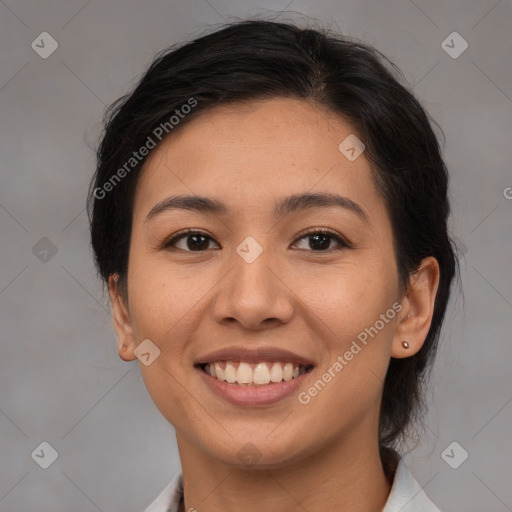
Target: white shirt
406 494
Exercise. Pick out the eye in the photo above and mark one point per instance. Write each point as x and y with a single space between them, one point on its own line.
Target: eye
194 241
320 239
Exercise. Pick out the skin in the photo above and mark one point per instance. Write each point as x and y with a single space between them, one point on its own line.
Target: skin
295 296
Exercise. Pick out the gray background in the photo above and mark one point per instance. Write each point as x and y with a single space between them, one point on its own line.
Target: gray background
61 379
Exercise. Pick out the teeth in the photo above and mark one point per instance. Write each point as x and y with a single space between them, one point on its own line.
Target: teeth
244 374
261 374
276 373
230 373
288 371
219 371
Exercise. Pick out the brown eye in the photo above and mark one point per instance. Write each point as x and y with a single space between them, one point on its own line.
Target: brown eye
191 241
320 240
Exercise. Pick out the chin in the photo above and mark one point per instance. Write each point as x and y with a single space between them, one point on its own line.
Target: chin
257 453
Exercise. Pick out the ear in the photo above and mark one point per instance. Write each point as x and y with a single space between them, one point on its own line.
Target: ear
415 317
122 320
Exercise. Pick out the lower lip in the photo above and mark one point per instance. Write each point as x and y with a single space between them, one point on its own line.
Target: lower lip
252 395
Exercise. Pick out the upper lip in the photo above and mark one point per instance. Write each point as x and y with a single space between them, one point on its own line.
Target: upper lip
262 354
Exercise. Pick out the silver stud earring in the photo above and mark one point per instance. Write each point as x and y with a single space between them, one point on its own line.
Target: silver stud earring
405 344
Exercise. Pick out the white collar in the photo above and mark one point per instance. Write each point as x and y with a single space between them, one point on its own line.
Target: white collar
406 494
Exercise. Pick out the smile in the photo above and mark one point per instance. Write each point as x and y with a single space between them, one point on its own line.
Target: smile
253 384
254 374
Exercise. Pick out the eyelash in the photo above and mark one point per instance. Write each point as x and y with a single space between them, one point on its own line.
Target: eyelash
343 243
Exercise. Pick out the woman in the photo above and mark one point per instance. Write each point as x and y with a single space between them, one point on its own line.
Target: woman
269 211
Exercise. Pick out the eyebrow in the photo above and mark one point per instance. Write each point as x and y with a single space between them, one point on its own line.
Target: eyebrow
284 206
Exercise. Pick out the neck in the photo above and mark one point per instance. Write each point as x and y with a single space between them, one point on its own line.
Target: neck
347 476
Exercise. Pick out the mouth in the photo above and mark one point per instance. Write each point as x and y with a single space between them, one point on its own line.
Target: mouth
246 374
249 378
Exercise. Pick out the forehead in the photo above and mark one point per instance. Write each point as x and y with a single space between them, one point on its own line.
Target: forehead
247 153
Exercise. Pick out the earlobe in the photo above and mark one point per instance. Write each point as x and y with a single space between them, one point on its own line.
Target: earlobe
122 320
415 318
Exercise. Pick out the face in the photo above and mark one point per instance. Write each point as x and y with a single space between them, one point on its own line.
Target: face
262 278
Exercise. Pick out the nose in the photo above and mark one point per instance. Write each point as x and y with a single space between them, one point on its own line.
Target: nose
254 294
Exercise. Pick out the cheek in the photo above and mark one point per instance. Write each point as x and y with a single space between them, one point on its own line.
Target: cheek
164 309
159 302
356 319
347 297
347 307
